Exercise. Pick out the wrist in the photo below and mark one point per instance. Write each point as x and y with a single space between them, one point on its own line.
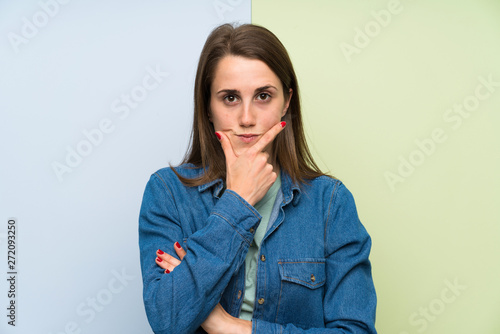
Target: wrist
242 326
247 197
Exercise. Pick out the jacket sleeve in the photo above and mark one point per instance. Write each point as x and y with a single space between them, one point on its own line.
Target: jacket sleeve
180 301
350 299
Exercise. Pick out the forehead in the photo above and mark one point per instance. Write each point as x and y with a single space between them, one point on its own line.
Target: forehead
240 73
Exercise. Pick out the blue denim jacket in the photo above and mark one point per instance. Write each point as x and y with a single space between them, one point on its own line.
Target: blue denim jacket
313 274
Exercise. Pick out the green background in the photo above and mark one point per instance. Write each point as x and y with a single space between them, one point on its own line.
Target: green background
438 224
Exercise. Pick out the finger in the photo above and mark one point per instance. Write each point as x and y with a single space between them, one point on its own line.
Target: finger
165 265
161 263
179 250
268 137
165 257
227 147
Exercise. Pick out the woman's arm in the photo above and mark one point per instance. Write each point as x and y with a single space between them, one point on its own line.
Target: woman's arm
219 321
182 300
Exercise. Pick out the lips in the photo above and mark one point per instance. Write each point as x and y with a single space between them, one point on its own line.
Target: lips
247 138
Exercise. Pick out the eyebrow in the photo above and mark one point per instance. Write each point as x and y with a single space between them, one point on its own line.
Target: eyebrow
236 92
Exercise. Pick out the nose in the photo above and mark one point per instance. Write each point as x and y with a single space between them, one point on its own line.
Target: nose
247 115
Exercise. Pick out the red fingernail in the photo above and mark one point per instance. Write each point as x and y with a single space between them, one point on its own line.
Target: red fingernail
160 252
178 245
218 136
283 124
159 260
167 271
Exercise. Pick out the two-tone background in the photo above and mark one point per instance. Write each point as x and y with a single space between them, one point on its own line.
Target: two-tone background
401 100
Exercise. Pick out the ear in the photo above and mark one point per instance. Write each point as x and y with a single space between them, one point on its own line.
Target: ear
290 93
209 114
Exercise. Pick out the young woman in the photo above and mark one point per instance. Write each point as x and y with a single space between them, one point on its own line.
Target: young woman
248 234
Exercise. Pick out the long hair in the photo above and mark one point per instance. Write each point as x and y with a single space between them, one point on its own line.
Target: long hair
289 147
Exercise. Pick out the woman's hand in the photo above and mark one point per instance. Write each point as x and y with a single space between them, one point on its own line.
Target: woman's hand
167 261
250 174
219 321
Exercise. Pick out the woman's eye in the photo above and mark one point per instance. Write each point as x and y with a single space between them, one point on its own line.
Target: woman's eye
264 96
230 98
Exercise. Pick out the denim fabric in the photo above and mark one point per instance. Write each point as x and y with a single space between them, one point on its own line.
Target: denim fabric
313 273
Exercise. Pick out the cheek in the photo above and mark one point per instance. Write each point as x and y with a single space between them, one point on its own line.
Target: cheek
210 111
274 116
214 115
220 122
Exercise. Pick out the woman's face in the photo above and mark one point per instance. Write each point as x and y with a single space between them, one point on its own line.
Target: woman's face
247 99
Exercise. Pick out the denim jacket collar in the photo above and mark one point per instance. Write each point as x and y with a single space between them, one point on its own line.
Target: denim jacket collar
291 190
218 184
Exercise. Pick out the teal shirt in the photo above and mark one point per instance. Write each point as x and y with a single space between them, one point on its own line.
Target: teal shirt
264 207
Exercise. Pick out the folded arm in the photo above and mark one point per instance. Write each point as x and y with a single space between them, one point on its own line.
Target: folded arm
183 299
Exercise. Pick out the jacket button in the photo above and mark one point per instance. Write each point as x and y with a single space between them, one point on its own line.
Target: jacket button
313 278
239 294
252 230
261 301
263 258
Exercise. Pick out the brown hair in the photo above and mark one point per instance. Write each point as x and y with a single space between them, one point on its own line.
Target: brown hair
289 147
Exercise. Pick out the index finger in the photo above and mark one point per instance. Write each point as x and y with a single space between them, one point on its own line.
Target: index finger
227 147
268 137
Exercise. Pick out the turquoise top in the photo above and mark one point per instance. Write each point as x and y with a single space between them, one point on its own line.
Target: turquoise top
264 207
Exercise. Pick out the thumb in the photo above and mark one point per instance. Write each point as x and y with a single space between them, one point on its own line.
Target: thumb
227 147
